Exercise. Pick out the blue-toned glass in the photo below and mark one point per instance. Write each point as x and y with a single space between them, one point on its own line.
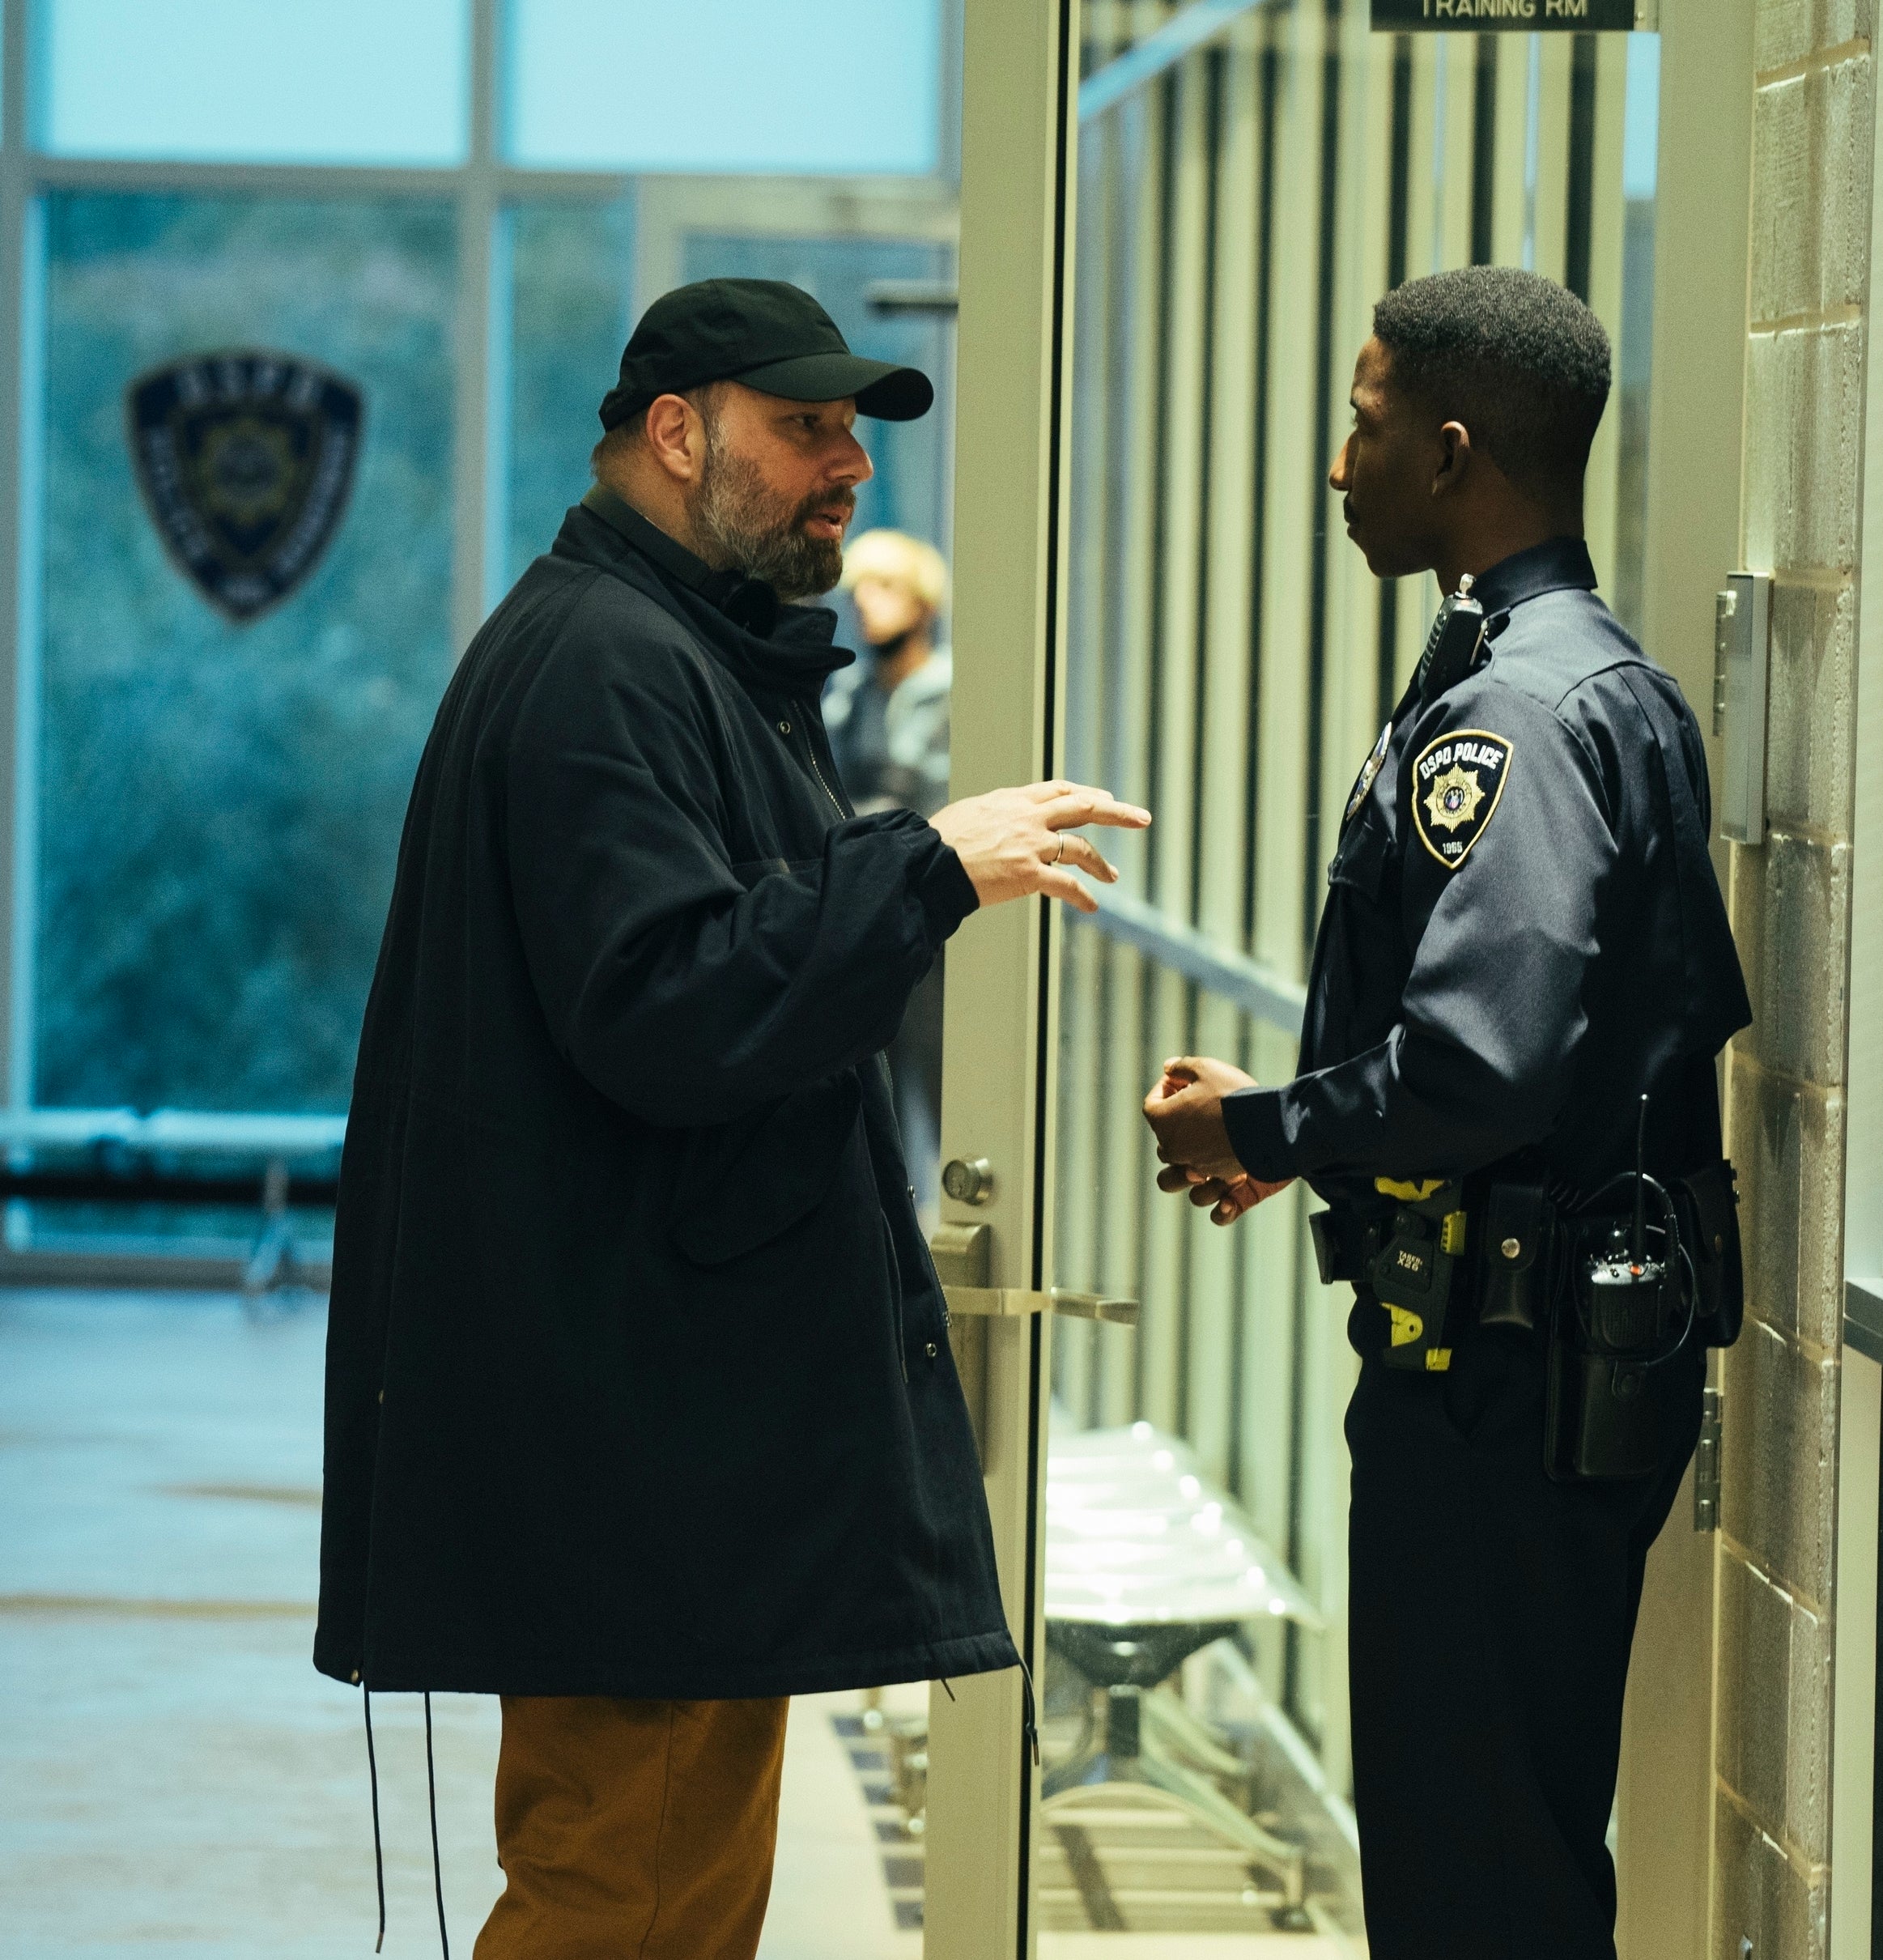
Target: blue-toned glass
257 81
845 87
911 488
571 310
220 804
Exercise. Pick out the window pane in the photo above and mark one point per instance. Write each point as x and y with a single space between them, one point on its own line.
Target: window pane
911 487
573 276
745 85
220 803
345 82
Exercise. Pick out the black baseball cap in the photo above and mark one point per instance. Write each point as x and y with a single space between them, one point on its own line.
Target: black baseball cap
765 334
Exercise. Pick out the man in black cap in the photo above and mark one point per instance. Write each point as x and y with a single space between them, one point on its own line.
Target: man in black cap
640 1409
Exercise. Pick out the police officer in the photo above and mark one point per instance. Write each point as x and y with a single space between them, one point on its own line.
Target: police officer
1523 938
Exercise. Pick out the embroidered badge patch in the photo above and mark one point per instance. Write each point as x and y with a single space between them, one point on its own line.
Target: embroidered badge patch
1457 783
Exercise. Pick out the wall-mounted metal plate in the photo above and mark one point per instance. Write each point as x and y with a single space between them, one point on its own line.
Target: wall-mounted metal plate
1517 16
1742 668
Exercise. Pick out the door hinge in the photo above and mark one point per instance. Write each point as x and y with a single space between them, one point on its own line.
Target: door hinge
1706 1462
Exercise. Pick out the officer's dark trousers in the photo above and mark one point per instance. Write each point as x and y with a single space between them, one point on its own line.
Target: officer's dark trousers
1491 1615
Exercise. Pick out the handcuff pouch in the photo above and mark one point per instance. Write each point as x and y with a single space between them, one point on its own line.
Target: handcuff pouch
1517 1257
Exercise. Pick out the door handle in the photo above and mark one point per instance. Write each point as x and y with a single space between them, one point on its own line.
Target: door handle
1013 1300
963 1255
964 1259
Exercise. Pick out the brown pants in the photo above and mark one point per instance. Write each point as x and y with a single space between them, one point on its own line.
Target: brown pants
635 1831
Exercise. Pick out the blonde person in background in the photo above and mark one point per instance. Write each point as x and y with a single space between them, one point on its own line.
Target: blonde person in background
887 718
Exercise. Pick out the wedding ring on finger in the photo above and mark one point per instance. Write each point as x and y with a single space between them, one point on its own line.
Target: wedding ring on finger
1061 852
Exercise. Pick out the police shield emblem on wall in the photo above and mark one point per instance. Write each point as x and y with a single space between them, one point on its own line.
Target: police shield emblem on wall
246 459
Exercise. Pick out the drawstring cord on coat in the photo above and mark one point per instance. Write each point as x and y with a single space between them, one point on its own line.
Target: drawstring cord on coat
378 1862
1029 1723
437 1868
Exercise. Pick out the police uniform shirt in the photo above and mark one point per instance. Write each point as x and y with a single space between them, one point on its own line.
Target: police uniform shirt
1523 931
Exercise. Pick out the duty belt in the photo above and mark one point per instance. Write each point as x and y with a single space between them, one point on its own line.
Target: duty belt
1406 1254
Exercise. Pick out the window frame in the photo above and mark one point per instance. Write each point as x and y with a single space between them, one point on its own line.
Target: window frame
484 190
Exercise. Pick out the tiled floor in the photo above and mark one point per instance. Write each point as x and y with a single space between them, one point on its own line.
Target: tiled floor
175 1777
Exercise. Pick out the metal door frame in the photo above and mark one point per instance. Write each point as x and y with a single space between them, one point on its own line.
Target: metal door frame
1018 132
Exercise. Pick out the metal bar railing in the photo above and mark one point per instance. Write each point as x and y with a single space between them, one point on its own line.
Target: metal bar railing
1200 22
1230 977
171 1132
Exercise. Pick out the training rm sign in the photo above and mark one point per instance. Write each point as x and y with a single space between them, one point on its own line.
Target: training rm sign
1518 16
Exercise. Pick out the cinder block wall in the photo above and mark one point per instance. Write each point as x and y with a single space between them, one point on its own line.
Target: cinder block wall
1813 138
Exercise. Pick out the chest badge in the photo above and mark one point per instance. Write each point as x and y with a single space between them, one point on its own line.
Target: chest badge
1368 770
1458 782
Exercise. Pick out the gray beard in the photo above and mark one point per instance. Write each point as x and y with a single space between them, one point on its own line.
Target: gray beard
744 525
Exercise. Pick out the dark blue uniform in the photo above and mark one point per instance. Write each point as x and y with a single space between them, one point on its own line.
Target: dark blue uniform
1524 934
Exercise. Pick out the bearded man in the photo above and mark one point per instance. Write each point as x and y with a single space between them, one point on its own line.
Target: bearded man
640 1409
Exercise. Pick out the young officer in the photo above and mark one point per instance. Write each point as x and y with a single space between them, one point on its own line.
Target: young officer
1523 938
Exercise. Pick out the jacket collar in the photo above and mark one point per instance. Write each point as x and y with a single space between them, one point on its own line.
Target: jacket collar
786 649
1560 564
750 603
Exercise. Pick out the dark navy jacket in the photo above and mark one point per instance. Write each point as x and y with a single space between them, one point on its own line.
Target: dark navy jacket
1523 932
638 1381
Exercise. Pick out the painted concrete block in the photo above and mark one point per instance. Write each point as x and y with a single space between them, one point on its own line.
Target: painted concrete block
1811 719
1787 1142
1779 1471
1755 1674
1787 31
1804 424
1812 138
1761 1896
1775 1708
1791 917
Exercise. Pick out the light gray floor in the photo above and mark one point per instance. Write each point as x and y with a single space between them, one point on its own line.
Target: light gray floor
174 1775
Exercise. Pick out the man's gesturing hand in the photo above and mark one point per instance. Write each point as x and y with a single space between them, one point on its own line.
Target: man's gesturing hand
1013 843
1185 1114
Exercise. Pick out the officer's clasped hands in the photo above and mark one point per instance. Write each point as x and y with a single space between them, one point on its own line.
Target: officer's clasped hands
1013 843
1184 1111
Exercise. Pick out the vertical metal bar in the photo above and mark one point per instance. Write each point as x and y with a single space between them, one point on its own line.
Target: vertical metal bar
1399 214
1268 72
21 354
1582 166
1316 488
473 492
1483 151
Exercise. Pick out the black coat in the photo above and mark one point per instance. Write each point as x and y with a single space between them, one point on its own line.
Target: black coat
1523 932
638 1382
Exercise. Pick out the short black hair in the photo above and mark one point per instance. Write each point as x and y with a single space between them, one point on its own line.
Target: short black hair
1519 360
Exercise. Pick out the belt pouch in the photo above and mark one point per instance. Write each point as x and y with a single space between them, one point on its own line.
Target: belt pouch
1600 1421
1518 1244
1322 1230
1707 1205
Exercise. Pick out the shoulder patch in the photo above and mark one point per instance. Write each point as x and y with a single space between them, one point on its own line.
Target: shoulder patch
1458 782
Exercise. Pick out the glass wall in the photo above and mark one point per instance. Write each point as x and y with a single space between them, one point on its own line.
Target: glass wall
218 795
314 307
1229 662
437 209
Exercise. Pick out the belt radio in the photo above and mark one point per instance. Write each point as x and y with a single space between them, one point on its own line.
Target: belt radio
1632 1295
